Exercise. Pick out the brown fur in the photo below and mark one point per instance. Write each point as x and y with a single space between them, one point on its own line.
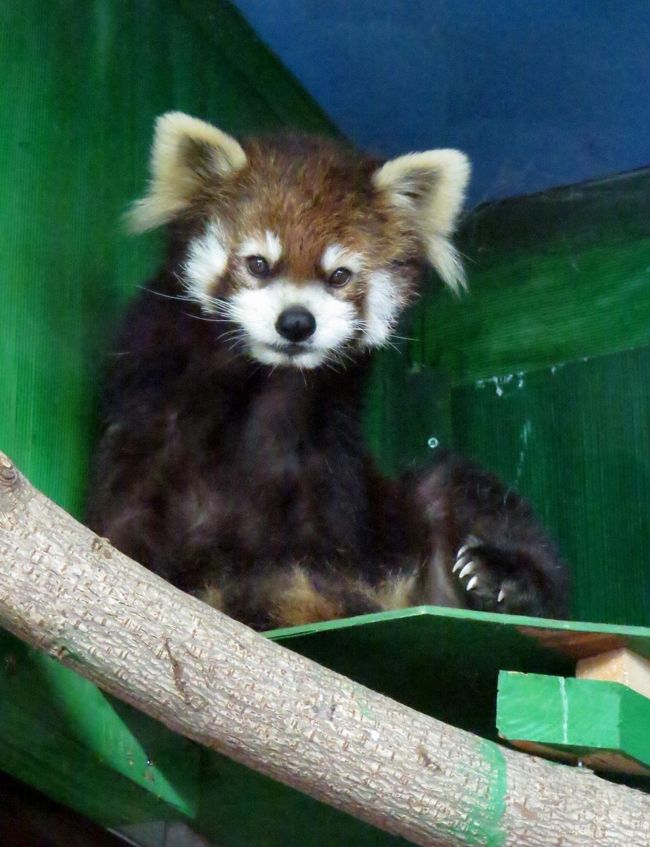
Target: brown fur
311 193
213 596
396 592
297 601
243 479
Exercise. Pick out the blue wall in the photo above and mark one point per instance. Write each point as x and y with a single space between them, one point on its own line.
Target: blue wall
538 92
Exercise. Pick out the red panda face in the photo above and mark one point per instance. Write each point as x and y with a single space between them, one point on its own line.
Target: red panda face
308 249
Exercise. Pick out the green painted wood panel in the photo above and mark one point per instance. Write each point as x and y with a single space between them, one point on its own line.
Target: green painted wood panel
580 717
574 438
80 86
61 734
408 411
543 374
554 277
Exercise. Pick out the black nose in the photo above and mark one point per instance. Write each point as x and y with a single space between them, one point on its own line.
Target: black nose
296 324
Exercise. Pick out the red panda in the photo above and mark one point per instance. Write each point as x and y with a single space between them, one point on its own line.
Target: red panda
231 459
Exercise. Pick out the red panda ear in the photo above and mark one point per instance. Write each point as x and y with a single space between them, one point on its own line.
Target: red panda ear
186 154
431 187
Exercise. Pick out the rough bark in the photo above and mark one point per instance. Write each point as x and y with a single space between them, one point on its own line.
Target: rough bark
70 593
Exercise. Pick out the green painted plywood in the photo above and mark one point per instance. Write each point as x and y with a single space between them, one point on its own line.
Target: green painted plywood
554 277
408 411
80 86
61 734
574 439
542 373
240 808
576 716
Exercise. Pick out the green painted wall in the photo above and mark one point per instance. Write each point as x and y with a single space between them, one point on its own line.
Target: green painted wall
80 86
543 374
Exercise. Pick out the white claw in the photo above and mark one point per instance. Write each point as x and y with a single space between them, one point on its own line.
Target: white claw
470 541
472 583
468 569
501 596
461 561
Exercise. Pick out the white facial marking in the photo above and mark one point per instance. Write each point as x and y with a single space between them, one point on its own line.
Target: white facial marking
336 256
207 258
268 246
383 305
257 310
273 247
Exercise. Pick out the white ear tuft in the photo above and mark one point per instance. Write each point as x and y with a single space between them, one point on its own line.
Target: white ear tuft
186 154
431 186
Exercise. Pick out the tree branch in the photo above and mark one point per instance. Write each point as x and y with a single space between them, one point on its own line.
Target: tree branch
67 591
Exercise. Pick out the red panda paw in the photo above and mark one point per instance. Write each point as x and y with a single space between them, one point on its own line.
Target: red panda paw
493 579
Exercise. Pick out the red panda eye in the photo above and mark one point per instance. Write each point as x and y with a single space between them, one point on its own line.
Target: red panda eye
340 277
258 266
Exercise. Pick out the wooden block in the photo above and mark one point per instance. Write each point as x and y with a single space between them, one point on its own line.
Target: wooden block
605 725
620 665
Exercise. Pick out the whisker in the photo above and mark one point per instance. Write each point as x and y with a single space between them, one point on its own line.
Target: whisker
180 297
331 365
208 320
392 346
232 334
236 345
